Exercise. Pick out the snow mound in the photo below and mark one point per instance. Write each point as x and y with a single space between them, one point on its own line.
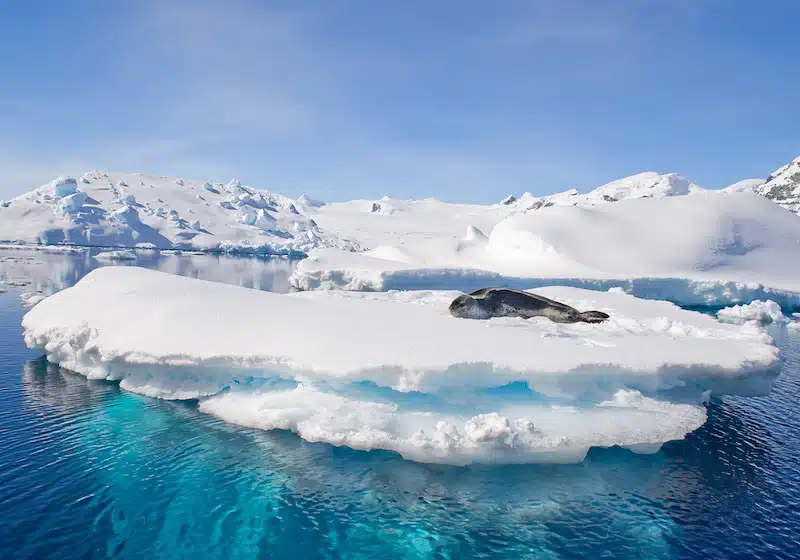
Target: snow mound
703 249
136 210
474 234
704 233
396 371
762 312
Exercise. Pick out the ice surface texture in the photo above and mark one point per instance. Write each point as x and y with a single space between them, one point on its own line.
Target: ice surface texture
396 371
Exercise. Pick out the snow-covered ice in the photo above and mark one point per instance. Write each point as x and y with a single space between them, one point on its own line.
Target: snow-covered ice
705 249
29 299
134 210
518 433
118 255
762 312
655 235
395 371
64 186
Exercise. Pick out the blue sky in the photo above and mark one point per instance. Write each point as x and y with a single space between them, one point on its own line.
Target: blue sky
465 101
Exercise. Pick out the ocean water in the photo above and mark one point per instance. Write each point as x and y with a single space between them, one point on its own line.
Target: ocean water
89 471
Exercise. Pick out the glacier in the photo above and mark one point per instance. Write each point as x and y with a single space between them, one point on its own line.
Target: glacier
394 371
141 211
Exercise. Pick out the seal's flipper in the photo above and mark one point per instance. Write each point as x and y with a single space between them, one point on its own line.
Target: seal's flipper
481 292
593 316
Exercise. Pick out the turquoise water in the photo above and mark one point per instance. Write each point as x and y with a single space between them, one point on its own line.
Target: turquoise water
89 471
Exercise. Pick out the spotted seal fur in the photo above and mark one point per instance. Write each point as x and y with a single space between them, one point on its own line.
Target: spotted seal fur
504 302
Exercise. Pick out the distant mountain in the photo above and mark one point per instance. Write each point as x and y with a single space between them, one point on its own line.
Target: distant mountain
745 185
783 186
149 211
643 185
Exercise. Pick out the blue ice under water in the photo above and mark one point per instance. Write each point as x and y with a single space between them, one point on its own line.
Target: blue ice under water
89 471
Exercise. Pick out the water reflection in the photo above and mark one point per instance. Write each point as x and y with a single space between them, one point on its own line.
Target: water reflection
48 273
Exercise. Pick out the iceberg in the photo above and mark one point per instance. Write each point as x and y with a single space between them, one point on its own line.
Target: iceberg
29 299
393 370
763 312
64 186
119 255
72 203
126 215
97 215
128 199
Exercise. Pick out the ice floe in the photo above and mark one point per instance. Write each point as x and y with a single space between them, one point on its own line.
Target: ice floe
118 255
29 299
395 371
763 312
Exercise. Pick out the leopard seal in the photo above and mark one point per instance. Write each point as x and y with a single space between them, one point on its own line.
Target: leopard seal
504 302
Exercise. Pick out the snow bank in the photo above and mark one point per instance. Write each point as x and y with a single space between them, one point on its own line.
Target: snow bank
705 235
396 371
334 270
703 249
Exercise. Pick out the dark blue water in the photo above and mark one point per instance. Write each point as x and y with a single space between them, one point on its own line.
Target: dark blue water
89 471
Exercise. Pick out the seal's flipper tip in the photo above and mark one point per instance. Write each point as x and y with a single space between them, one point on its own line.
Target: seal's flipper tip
593 316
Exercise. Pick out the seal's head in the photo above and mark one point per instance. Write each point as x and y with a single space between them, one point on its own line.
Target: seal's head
467 307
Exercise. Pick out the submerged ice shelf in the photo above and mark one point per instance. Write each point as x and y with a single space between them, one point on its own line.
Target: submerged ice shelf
395 371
